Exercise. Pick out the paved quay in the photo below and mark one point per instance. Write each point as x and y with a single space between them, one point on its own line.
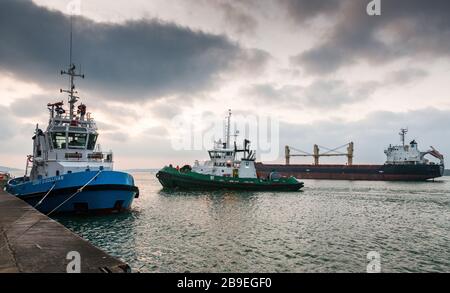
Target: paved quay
31 242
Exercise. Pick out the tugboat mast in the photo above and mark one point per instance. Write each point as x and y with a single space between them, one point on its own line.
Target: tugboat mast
72 73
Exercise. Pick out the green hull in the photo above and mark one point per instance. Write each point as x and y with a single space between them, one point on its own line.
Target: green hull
171 178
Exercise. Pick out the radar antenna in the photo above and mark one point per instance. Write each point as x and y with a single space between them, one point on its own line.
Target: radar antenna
72 73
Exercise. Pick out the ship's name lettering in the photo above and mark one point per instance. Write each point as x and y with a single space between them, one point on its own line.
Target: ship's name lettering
52 179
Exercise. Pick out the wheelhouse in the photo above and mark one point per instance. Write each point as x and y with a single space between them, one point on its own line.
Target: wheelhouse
72 138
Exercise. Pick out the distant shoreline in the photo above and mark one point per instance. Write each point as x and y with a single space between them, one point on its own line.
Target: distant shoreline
8 169
140 170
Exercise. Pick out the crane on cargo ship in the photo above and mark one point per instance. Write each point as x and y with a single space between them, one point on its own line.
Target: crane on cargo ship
316 153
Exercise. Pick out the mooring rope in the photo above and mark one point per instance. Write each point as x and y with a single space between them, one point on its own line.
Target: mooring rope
77 192
42 199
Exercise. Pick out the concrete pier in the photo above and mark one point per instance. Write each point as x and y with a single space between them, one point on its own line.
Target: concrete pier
31 242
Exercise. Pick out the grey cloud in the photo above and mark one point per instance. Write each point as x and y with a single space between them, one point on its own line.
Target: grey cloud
6 121
157 131
117 136
413 29
330 93
405 76
323 59
132 61
320 94
103 126
270 92
119 113
250 62
166 109
334 93
304 10
24 108
235 14
15 136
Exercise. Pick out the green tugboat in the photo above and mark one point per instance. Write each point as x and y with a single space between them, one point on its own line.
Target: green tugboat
225 171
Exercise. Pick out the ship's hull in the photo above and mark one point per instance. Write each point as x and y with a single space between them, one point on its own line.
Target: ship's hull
356 172
173 179
105 192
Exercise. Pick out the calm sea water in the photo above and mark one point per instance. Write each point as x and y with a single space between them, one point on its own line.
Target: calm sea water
330 226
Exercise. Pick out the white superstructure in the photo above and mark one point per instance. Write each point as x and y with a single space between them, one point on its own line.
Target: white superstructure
223 159
409 153
69 144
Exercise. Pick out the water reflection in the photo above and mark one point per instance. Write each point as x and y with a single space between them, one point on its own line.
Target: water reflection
330 226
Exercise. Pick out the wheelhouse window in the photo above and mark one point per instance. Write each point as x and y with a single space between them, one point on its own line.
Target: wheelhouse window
217 155
59 140
77 140
92 141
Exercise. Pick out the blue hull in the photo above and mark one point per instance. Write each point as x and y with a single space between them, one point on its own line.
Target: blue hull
110 191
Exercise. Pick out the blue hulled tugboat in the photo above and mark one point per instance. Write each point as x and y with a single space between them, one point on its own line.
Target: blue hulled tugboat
69 172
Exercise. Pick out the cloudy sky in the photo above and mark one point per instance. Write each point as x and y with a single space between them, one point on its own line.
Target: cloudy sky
325 70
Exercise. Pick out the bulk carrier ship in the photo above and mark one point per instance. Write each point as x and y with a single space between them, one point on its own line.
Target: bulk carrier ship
404 162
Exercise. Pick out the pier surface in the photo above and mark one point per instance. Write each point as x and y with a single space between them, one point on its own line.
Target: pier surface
31 242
